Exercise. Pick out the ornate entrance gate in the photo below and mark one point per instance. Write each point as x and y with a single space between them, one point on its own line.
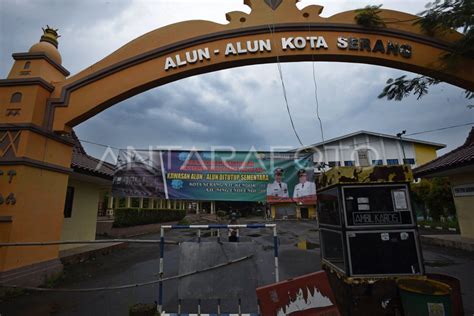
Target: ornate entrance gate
40 102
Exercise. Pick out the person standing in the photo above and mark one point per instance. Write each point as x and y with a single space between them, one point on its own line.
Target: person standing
268 213
233 232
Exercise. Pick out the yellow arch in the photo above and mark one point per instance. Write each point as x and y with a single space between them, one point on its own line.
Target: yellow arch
140 65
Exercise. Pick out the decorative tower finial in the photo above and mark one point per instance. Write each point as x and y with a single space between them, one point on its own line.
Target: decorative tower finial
50 35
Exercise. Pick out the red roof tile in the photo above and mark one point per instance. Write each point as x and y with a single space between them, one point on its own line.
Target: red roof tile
459 157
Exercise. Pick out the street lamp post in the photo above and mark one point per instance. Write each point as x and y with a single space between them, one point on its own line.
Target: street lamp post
399 135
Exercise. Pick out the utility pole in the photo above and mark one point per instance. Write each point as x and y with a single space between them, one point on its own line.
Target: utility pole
399 135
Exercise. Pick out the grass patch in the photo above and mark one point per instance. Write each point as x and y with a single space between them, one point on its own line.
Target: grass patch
10 293
53 280
143 309
184 221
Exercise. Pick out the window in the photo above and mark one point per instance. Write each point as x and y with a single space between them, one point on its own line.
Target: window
135 202
68 203
392 162
328 207
332 247
27 65
16 97
349 163
146 203
377 162
409 161
122 202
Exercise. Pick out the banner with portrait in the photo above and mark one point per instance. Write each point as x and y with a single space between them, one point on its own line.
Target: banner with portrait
252 176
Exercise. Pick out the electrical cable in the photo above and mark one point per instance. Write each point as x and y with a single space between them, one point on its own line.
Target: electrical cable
287 105
316 99
405 139
98 144
272 32
440 129
322 135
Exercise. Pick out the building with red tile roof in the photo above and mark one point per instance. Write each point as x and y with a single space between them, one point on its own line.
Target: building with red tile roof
458 166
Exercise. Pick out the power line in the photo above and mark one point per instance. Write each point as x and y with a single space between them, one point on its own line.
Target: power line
322 132
316 99
98 144
285 97
440 129
287 105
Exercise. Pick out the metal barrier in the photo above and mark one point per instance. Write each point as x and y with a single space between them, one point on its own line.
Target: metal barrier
162 243
210 227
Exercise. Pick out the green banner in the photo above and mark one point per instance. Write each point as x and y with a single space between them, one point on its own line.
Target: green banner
217 176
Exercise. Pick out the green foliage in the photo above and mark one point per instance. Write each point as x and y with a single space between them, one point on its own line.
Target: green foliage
10 293
446 224
399 88
184 221
132 217
143 309
435 194
221 214
439 17
369 16
52 280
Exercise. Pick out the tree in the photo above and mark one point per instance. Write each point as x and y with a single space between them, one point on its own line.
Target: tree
439 16
435 195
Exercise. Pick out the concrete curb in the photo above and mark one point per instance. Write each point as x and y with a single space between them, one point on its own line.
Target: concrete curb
449 241
81 254
438 228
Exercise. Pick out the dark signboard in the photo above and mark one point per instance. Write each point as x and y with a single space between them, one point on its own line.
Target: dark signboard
383 253
382 205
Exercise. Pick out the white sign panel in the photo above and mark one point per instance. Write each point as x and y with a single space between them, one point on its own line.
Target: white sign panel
400 200
463 190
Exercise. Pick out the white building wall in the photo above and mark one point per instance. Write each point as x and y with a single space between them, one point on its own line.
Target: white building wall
392 150
375 149
347 149
379 148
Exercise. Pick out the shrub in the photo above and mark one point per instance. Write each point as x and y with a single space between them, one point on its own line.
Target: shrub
221 214
133 217
435 195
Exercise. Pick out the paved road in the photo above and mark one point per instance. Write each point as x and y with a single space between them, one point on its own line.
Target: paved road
139 263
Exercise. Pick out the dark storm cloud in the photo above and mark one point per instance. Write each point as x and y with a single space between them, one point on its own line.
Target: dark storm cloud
177 115
21 23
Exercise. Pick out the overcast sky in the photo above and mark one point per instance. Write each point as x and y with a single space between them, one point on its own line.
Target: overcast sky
240 107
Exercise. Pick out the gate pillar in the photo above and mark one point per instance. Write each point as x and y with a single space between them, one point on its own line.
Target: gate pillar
34 165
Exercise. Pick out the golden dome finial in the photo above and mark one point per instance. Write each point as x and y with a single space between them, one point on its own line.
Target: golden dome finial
50 35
